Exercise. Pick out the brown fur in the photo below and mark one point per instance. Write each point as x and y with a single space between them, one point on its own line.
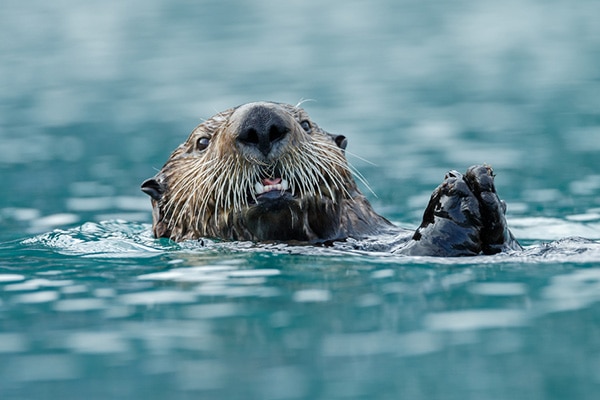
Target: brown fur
208 191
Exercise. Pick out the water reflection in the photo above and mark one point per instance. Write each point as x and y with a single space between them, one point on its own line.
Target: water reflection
43 368
573 291
216 314
473 320
377 343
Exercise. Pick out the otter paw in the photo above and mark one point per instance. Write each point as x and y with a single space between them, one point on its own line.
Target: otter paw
464 216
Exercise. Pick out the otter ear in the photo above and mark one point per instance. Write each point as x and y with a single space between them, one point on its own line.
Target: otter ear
340 140
153 188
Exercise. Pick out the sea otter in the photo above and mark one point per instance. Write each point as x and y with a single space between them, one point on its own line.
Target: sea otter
266 171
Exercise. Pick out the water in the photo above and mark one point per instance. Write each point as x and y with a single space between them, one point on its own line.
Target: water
95 95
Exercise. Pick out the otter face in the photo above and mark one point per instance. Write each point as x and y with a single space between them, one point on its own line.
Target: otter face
261 171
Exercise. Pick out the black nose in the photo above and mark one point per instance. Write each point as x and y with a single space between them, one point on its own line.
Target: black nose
261 128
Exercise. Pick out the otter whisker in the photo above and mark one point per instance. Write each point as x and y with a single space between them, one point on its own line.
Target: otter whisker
309 181
336 180
172 206
356 173
349 153
302 101
295 180
220 190
208 186
180 209
288 174
345 164
220 186
317 174
241 185
361 158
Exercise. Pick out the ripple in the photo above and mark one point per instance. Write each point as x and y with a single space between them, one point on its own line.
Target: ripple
201 375
458 279
543 228
37 297
374 343
587 217
283 382
77 305
126 203
20 214
158 297
466 320
206 273
105 292
211 311
383 274
74 289
499 289
12 343
35 284
54 220
11 278
97 342
214 273
221 289
89 204
50 367
249 273
573 291
312 295
368 300
107 239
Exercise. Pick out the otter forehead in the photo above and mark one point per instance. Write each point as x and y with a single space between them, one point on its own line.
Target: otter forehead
293 111
266 105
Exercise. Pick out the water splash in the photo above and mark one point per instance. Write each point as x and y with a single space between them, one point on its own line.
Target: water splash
121 239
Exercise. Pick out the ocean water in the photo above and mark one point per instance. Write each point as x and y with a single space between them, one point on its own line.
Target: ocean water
95 95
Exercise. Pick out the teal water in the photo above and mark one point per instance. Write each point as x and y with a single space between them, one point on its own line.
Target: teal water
94 96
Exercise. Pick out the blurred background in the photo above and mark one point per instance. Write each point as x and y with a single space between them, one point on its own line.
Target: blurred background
95 95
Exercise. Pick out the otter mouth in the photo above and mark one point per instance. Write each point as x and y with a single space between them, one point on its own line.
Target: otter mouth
270 189
269 185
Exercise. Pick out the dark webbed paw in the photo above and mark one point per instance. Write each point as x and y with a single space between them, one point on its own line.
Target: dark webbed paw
494 233
464 217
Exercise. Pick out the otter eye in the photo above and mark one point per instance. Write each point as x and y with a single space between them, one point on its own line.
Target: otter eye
306 126
202 143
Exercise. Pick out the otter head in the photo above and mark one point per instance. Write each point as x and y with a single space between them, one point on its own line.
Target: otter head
261 171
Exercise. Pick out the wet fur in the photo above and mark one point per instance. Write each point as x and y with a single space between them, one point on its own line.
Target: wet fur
208 192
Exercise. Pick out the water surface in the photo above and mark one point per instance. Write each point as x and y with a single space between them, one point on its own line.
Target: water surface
93 98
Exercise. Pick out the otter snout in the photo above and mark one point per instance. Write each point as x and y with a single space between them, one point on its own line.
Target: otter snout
262 127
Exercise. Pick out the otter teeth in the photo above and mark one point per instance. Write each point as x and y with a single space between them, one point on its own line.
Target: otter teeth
282 186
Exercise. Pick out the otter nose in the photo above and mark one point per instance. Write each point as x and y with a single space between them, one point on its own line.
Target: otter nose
262 127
